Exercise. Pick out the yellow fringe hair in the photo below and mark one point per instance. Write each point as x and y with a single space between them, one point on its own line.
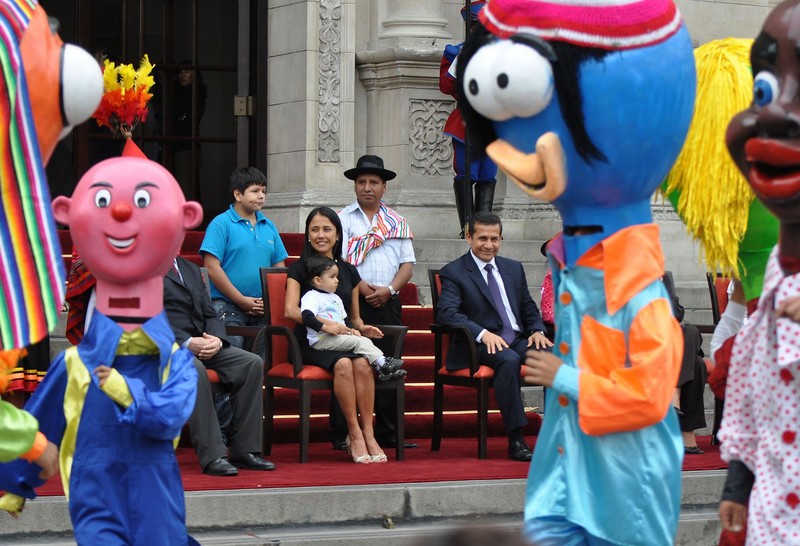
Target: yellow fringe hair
714 196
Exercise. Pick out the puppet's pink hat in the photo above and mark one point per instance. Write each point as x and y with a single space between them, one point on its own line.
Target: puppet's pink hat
604 24
132 150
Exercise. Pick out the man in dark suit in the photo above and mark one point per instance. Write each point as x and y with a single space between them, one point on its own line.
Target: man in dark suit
489 295
196 327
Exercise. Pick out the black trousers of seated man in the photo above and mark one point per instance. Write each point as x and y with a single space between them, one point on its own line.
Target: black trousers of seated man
240 373
507 383
385 399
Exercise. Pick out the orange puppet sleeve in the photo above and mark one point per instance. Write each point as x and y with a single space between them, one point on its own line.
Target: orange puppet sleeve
623 390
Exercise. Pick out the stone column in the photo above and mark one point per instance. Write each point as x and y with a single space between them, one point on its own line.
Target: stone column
311 107
405 112
414 24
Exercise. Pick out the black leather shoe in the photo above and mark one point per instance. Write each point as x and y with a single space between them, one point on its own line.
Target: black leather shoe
518 450
391 443
340 444
251 462
220 467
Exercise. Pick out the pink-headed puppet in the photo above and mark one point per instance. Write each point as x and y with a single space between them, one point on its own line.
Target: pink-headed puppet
760 426
117 401
46 87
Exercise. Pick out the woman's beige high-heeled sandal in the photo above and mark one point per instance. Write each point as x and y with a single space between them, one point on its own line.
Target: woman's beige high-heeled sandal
365 458
379 458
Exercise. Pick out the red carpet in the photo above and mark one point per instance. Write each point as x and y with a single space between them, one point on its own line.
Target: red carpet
457 460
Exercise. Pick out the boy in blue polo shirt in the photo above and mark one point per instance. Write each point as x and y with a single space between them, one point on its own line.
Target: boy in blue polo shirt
237 243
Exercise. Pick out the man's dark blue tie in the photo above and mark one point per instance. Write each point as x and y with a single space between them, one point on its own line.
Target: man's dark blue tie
508 332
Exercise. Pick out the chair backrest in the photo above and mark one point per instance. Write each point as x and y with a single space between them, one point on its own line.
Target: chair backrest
273 289
436 287
206 280
718 292
442 342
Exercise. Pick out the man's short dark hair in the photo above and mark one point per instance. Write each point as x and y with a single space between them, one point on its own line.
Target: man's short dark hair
243 178
316 266
484 218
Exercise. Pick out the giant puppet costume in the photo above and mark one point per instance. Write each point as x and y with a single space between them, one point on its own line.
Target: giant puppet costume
586 105
46 87
116 401
761 422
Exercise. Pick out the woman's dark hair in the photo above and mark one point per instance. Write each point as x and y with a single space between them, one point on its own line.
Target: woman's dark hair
328 213
565 73
316 266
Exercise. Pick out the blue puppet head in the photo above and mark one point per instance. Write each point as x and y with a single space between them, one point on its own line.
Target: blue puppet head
588 113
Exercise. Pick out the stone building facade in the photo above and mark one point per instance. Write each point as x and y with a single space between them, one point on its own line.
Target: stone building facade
361 76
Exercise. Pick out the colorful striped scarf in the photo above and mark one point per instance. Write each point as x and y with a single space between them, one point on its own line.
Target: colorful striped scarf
31 270
388 225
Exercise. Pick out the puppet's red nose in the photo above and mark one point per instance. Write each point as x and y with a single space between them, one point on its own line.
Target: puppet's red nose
121 212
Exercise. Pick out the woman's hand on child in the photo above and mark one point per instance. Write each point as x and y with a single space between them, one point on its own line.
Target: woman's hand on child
370 331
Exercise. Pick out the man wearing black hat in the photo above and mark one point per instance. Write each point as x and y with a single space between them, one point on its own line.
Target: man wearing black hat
377 240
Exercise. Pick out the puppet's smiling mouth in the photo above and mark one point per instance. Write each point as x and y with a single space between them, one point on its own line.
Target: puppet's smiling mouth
775 167
541 174
121 244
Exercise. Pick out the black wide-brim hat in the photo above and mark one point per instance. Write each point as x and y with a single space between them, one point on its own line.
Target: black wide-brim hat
370 164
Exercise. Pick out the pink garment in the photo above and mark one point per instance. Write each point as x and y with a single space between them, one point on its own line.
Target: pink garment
548 315
761 425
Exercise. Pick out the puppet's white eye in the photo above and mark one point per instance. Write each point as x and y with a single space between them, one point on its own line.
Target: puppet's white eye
81 84
507 79
141 198
102 199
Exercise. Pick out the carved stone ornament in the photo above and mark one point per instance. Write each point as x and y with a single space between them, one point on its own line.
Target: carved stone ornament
330 15
431 152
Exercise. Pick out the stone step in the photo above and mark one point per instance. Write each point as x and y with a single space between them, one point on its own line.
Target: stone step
356 514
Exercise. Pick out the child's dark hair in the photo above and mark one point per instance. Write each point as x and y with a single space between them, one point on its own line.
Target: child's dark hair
316 266
243 178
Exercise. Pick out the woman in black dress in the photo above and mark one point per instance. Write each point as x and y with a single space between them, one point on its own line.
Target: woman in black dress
353 380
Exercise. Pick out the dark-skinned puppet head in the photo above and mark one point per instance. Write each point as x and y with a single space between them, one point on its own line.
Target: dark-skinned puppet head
764 140
46 88
582 106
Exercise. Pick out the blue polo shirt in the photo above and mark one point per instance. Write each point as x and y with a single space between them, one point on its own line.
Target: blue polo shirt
242 249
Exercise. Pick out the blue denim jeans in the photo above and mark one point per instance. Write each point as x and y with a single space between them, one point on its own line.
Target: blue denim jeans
231 315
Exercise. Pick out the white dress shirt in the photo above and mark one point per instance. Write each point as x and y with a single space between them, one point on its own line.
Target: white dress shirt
481 264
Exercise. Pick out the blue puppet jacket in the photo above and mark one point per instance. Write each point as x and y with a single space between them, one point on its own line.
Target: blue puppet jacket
117 458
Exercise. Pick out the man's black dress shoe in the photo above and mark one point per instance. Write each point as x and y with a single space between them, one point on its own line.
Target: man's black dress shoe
251 462
220 467
518 450
391 443
340 444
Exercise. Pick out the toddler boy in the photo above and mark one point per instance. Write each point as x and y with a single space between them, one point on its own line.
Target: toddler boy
323 304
